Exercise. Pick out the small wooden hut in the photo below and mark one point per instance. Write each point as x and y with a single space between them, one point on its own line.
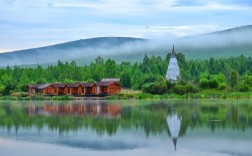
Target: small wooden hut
108 87
74 88
61 88
47 89
33 88
89 88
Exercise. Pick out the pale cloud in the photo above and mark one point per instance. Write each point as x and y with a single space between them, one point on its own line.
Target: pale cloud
104 6
140 7
28 23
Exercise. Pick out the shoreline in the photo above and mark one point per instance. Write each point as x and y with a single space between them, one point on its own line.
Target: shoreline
144 96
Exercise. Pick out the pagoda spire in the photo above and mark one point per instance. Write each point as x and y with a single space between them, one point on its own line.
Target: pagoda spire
173 52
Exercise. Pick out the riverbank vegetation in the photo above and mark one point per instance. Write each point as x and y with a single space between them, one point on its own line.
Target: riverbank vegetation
224 77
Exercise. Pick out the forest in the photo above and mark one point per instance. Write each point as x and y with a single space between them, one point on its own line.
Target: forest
222 74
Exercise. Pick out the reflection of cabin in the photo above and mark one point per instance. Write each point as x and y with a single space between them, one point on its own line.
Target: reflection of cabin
106 86
114 110
62 109
102 110
50 108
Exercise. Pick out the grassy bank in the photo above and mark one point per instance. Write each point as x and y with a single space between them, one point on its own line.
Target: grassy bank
35 97
199 95
129 94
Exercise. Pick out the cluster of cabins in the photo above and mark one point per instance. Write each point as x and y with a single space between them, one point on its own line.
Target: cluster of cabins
104 87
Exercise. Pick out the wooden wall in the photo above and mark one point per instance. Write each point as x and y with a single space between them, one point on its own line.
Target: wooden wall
50 90
66 90
73 90
103 89
90 90
60 90
114 88
79 91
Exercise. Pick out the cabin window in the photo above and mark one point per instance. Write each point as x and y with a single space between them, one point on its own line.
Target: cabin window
68 90
82 89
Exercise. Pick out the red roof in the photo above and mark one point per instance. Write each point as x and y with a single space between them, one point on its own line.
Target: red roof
89 84
43 86
59 85
34 85
74 85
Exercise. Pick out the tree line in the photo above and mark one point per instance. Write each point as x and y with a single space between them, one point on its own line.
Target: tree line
226 74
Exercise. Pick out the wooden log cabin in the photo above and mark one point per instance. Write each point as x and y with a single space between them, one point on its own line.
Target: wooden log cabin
108 87
89 88
53 89
62 89
105 87
33 88
47 89
74 88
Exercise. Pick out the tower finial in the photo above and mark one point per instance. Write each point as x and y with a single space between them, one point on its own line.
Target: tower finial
173 51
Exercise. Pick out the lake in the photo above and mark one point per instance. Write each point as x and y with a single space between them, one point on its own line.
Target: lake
126 127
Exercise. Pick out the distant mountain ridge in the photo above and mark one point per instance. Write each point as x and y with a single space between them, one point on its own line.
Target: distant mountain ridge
237 29
226 43
63 51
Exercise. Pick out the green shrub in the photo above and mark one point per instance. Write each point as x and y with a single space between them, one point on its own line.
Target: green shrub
244 88
222 86
38 97
155 88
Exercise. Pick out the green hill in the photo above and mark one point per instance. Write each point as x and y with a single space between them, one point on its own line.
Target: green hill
226 43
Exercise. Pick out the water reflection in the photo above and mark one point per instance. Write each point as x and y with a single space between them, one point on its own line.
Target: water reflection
104 110
174 122
130 124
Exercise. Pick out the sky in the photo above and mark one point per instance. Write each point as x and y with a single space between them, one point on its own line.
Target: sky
28 23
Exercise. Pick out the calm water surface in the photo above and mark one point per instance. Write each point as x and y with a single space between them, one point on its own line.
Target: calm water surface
129 127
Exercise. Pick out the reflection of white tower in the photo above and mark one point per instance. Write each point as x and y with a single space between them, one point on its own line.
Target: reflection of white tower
173 72
174 123
98 109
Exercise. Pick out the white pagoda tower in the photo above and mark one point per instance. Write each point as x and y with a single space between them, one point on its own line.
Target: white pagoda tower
173 72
